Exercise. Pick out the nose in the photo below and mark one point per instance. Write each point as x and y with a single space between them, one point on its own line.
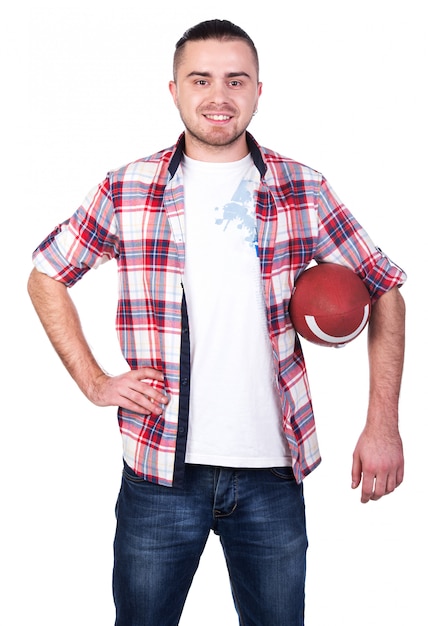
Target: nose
218 93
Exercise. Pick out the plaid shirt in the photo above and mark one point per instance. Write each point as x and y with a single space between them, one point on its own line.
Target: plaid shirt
136 217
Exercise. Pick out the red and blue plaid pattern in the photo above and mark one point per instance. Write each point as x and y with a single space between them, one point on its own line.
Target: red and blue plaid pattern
136 216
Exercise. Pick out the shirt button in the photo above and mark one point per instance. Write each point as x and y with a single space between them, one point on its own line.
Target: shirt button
184 381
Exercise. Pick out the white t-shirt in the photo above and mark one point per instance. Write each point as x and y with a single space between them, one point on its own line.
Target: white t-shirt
235 416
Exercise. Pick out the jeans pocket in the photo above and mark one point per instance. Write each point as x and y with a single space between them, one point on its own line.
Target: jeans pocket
130 475
285 473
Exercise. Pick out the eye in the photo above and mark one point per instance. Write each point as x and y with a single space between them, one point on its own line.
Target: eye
201 81
235 83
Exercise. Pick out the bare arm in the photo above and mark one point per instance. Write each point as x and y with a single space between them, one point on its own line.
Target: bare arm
61 322
378 461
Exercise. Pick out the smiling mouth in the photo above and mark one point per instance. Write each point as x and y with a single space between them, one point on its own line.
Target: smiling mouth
218 118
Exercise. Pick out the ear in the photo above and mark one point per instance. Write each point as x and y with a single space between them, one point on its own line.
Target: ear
173 91
259 91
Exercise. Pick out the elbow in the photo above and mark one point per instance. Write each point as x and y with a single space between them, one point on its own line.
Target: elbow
40 286
392 299
388 314
31 283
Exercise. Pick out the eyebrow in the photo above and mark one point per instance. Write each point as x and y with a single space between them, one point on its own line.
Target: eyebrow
228 75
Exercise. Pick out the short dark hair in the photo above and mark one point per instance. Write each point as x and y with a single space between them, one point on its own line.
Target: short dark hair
222 30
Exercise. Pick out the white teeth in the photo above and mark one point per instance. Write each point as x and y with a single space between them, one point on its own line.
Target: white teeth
218 118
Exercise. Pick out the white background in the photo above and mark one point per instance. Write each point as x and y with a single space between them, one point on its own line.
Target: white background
84 90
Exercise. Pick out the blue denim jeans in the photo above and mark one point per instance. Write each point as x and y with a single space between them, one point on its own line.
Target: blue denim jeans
259 516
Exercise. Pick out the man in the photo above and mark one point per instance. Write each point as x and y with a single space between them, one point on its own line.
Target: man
215 412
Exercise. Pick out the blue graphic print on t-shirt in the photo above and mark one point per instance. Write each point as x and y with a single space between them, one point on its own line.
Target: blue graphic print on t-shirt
240 211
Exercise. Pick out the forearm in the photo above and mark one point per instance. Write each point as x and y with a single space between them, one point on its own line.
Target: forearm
139 390
386 341
61 322
378 457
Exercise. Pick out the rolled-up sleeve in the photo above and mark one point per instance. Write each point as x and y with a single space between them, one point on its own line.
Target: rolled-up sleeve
84 241
344 241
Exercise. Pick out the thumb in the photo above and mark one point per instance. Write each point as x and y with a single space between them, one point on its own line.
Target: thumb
356 471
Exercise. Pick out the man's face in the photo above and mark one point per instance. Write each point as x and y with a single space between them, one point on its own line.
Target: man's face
216 91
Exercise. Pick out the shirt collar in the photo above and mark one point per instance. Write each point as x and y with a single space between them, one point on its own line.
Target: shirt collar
252 145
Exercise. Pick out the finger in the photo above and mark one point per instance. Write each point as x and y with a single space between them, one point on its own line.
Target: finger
394 481
367 487
400 475
149 373
391 484
141 402
148 382
153 390
386 484
144 396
